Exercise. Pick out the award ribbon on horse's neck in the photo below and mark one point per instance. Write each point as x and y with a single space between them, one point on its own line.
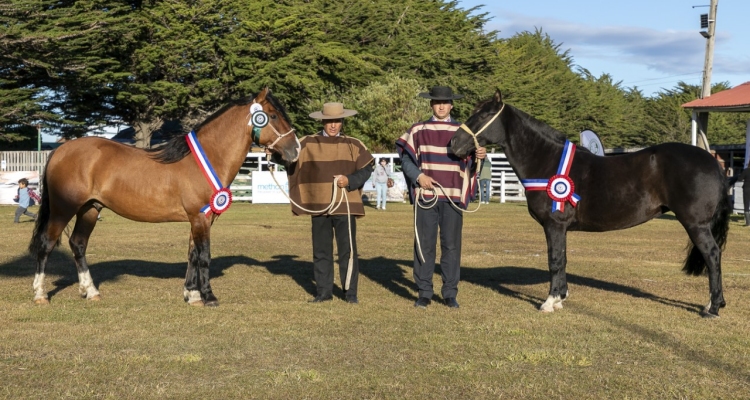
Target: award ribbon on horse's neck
222 197
560 187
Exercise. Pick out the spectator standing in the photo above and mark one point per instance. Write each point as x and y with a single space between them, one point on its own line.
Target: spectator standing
744 177
485 179
380 178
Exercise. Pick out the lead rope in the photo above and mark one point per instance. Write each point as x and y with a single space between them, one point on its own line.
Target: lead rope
432 202
333 206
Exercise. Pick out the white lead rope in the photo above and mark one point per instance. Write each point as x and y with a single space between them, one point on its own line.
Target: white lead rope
333 206
420 199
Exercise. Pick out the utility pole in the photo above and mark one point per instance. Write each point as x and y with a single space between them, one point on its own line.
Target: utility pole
699 125
710 39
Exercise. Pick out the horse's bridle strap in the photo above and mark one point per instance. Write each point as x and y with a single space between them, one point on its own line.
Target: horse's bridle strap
474 135
279 136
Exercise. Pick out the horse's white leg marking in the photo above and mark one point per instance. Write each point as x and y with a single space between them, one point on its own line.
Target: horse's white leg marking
86 286
40 295
194 297
548 306
708 307
559 300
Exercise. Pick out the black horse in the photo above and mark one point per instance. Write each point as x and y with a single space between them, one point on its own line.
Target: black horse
614 192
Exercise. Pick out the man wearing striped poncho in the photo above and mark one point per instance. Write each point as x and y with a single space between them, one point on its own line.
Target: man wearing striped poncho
426 161
324 156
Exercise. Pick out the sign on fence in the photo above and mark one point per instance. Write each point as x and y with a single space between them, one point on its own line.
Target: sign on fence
265 189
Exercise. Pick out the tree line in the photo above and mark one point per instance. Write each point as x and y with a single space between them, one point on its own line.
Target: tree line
70 65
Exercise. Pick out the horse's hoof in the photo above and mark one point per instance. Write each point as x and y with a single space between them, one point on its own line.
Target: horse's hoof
41 301
213 303
706 314
198 303
557 306
95 298
546 309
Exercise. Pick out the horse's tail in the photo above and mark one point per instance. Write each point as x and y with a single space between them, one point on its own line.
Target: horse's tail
695 264
38 241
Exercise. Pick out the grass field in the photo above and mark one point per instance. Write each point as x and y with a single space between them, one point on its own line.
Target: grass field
630 330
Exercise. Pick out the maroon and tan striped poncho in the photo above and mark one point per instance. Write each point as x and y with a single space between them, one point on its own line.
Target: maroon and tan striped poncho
320 158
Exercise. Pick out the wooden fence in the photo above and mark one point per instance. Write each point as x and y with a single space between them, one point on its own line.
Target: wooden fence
505 184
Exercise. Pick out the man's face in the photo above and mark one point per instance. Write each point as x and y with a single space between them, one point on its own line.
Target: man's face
441 108
332 127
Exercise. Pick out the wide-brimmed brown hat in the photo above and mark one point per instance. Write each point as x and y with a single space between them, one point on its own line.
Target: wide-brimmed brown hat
441 93
332 111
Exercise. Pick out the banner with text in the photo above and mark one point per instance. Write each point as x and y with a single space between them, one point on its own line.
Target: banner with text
265 189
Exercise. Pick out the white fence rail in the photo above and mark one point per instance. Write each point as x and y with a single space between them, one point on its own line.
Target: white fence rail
23 160
505 184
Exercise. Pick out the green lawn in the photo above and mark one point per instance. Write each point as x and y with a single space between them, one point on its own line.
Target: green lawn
630 330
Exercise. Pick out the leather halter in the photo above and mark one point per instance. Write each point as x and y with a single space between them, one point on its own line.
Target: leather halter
474 135
256 134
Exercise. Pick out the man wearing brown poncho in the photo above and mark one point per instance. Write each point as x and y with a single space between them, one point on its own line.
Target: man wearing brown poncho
323 157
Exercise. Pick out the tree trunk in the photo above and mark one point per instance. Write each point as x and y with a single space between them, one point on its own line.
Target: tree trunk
143 132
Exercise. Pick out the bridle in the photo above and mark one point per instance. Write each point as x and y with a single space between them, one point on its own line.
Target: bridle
258 120
474 135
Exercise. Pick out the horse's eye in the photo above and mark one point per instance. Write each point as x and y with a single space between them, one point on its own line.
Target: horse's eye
273 116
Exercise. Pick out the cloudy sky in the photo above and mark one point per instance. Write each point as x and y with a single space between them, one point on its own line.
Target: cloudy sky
649 44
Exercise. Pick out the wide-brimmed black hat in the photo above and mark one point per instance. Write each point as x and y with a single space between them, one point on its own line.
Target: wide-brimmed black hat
441 93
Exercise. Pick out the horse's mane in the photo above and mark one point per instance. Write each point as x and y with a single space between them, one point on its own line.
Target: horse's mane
177 148
545 131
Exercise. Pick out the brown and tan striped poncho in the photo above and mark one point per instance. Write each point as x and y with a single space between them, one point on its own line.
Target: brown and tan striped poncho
320 158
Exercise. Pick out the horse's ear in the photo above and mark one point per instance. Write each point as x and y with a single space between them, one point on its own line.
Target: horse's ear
498 97
262 95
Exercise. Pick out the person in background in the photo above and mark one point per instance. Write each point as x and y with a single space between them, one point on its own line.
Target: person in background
380 178
743 177
323 157
485 178
24 200
427 162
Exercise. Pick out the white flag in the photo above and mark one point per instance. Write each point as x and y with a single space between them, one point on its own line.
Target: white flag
590 141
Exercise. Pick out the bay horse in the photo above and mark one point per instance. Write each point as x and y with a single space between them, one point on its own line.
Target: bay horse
569 190
166 184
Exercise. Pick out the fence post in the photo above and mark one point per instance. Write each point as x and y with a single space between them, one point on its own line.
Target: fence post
502 187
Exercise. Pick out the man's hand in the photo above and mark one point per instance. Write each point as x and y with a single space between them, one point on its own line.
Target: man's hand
425 182
342 181
481 153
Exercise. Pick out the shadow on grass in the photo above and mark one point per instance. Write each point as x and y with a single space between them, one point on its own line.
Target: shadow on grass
393 275
62 265
390 274
500 278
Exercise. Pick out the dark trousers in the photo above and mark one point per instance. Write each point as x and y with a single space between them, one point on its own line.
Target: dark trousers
323 228
746 200
449 222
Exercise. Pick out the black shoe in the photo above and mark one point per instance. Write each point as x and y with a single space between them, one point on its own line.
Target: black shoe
422 302
320 299
352 300
451 302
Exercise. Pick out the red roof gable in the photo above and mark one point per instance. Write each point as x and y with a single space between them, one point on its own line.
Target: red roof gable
738 96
